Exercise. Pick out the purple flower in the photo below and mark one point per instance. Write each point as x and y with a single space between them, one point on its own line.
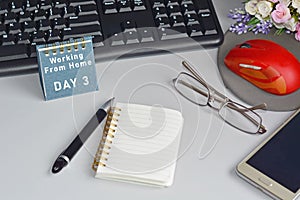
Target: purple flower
239 28
262 27
239 14
241 17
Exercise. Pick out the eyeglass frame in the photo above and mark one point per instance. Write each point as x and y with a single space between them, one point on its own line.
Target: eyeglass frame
213 93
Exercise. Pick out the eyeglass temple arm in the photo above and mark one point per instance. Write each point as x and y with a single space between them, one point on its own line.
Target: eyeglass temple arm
196 74
256 107
193 88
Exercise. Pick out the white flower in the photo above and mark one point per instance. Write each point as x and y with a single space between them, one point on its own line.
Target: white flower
264 8
296 4
286 2
278 25
291 24
258 16
250 7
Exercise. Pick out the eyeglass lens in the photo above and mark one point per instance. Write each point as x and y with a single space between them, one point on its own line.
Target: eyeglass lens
240 117
192 89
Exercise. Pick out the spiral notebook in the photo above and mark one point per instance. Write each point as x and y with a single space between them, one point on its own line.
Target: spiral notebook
139 144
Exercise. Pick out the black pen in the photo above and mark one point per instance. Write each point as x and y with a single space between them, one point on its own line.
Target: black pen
66 156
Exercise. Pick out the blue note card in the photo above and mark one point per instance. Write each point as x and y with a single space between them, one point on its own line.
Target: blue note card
67 68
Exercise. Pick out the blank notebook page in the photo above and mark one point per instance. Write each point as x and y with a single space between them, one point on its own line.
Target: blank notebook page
145 145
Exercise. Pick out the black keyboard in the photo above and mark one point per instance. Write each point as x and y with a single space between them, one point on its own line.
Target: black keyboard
118 27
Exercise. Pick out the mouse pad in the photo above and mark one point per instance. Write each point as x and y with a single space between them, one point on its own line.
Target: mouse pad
247 91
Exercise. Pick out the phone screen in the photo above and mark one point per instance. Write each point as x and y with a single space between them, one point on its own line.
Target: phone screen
279 158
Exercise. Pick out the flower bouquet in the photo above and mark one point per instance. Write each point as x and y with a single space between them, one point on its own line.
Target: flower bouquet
259 16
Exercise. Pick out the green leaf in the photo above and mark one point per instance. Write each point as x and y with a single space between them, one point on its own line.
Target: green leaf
253 21
279 31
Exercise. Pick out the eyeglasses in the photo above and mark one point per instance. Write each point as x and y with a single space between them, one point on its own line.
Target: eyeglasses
195 89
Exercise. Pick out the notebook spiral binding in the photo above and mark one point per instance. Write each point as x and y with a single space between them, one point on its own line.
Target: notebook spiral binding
66 46
108 135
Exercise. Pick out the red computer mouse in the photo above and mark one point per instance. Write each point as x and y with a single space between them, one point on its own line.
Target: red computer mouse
265 64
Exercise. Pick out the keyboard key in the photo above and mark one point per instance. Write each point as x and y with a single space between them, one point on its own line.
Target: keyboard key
84 20
29 27
98 41
3 7
167 34
163 22
174 10
39 14
188 8
75 32
55 13
131 37
45 4
129 25
75 3
203 11
158 3
60 3
16 6
172 3
146 34
183 2
191 19
69 12
39 37
177 20
160 12
117 39
138 5
87 10
59 23
14 28
8 40
10 18
195 30
45 25
31 5
109 7
13 52
54 36
211 32
24 16
123 5
23 38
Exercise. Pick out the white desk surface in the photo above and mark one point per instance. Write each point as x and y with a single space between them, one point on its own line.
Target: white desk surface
34 132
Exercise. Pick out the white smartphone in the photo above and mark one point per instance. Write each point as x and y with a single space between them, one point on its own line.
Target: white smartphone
274 166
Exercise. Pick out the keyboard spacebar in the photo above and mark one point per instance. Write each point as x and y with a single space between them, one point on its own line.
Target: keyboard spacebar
13 52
